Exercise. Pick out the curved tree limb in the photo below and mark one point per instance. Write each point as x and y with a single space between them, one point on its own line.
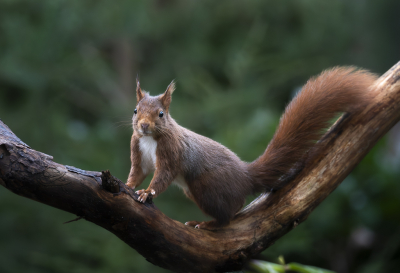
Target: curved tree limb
171 244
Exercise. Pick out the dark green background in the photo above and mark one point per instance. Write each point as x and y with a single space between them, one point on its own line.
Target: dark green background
67 71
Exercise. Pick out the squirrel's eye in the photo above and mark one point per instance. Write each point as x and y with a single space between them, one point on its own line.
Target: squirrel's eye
161 114
135 111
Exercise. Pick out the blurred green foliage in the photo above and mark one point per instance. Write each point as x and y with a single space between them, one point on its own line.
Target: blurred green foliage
67 71
268 267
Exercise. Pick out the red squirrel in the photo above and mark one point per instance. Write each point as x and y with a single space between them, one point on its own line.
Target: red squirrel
213 176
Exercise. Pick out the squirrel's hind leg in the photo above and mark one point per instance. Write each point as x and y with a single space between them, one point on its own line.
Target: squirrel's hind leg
221 219
215 203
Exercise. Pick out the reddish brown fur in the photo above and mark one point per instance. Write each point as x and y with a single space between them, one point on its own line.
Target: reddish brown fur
217 180
342 89
136 176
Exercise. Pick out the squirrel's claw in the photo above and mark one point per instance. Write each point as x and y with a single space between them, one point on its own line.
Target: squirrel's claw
144 194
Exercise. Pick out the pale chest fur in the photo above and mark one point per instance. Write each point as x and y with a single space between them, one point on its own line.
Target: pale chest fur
148 148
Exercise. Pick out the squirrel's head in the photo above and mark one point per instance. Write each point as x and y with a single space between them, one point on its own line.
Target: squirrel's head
152 113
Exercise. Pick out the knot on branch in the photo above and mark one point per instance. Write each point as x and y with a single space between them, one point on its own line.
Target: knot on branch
109 182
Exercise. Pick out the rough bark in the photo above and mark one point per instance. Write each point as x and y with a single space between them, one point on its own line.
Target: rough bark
172 245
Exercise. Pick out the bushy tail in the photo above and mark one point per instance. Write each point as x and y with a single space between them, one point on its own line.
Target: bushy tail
342 89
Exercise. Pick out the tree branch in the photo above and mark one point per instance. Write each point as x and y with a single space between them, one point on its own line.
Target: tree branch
171 244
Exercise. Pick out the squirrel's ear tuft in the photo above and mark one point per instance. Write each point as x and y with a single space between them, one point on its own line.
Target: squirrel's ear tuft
167 96
139 93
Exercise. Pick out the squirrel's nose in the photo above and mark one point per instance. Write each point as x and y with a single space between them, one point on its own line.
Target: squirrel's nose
145 126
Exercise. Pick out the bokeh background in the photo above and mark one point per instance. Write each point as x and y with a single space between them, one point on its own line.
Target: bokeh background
67 71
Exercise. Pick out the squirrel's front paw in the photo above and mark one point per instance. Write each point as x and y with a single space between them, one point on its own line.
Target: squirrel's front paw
144 194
